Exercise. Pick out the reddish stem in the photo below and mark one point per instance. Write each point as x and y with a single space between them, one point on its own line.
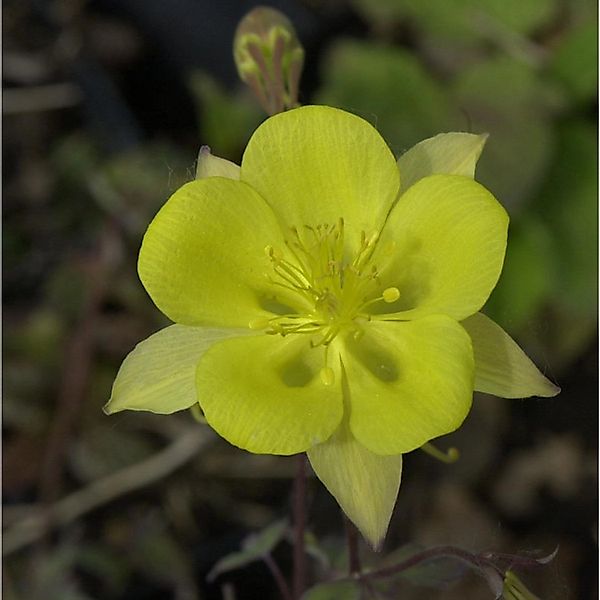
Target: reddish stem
299 511
278 577
352 543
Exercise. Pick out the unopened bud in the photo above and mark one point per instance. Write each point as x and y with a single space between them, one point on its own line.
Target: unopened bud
269 58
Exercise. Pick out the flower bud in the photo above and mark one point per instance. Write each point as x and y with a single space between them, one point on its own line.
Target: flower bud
269 58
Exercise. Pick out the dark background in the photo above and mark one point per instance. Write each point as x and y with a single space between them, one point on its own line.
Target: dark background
105 106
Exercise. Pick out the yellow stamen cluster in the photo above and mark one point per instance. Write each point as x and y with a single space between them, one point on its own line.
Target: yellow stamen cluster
330 291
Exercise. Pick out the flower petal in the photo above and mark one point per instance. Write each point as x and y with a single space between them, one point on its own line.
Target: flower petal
409 382
203 257
316 164
209 165
453 153
265 394
365 485
443 247
159 375
501 367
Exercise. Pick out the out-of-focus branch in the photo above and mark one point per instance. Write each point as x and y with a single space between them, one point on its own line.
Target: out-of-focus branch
40 98
77 363
103 491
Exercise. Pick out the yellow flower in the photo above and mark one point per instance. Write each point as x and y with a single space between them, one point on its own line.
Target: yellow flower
321 305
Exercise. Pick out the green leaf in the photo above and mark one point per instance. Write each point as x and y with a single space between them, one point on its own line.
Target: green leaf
520 16
509 100
466 22
528 277
336 590
315 550
226 120
133 186
255 547
575 61
569 205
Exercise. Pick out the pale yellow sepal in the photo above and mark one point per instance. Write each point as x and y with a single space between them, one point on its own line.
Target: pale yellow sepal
209 165
501 367
159 375
446 153
364 484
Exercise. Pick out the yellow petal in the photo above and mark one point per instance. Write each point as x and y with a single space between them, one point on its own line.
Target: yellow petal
409 382
265 394
442 247
317 164
203 257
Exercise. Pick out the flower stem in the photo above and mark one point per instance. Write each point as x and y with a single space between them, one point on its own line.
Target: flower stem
278 577
352 543
464 556
299 512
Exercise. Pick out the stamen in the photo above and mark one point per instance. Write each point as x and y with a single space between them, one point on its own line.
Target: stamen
328 289
389 295
450 456
327 376
260 323
197 414
272 253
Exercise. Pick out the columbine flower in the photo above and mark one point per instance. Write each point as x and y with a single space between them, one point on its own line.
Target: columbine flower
325 300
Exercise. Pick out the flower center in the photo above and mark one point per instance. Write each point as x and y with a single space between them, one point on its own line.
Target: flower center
329 290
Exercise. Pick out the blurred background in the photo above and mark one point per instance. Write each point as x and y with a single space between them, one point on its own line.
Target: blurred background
105 105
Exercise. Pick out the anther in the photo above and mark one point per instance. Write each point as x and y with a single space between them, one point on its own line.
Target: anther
260 323
327 376
273 253
391 294
451 455
372 239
